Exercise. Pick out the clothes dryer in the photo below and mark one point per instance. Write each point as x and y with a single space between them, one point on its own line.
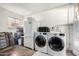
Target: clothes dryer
56 44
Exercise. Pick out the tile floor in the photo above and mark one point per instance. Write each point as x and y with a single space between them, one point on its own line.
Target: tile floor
69 53
17 51
38 53
22 51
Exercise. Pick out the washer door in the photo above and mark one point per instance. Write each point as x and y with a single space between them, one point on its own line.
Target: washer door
56 43
40 41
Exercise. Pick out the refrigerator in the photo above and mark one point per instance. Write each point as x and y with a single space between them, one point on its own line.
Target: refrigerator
30 27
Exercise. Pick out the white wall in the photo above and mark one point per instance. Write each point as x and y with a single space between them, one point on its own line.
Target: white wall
55 16
70 37
4 19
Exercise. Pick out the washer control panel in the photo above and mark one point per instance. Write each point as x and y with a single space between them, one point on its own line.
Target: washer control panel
44 33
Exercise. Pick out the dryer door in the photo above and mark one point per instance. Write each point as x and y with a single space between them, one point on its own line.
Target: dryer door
40 41
56 43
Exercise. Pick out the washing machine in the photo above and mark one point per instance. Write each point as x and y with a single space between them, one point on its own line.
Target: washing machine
56 44
41 41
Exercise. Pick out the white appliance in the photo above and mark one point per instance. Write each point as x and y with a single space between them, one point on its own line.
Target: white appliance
56 44
75 43
41 41
30 26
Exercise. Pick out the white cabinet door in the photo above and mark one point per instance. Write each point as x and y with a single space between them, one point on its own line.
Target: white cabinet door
28 42
28 29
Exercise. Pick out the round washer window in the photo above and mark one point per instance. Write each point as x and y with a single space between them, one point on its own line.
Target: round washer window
56 43
40 41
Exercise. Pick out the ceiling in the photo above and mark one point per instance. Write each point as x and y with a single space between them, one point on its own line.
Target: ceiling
29 8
